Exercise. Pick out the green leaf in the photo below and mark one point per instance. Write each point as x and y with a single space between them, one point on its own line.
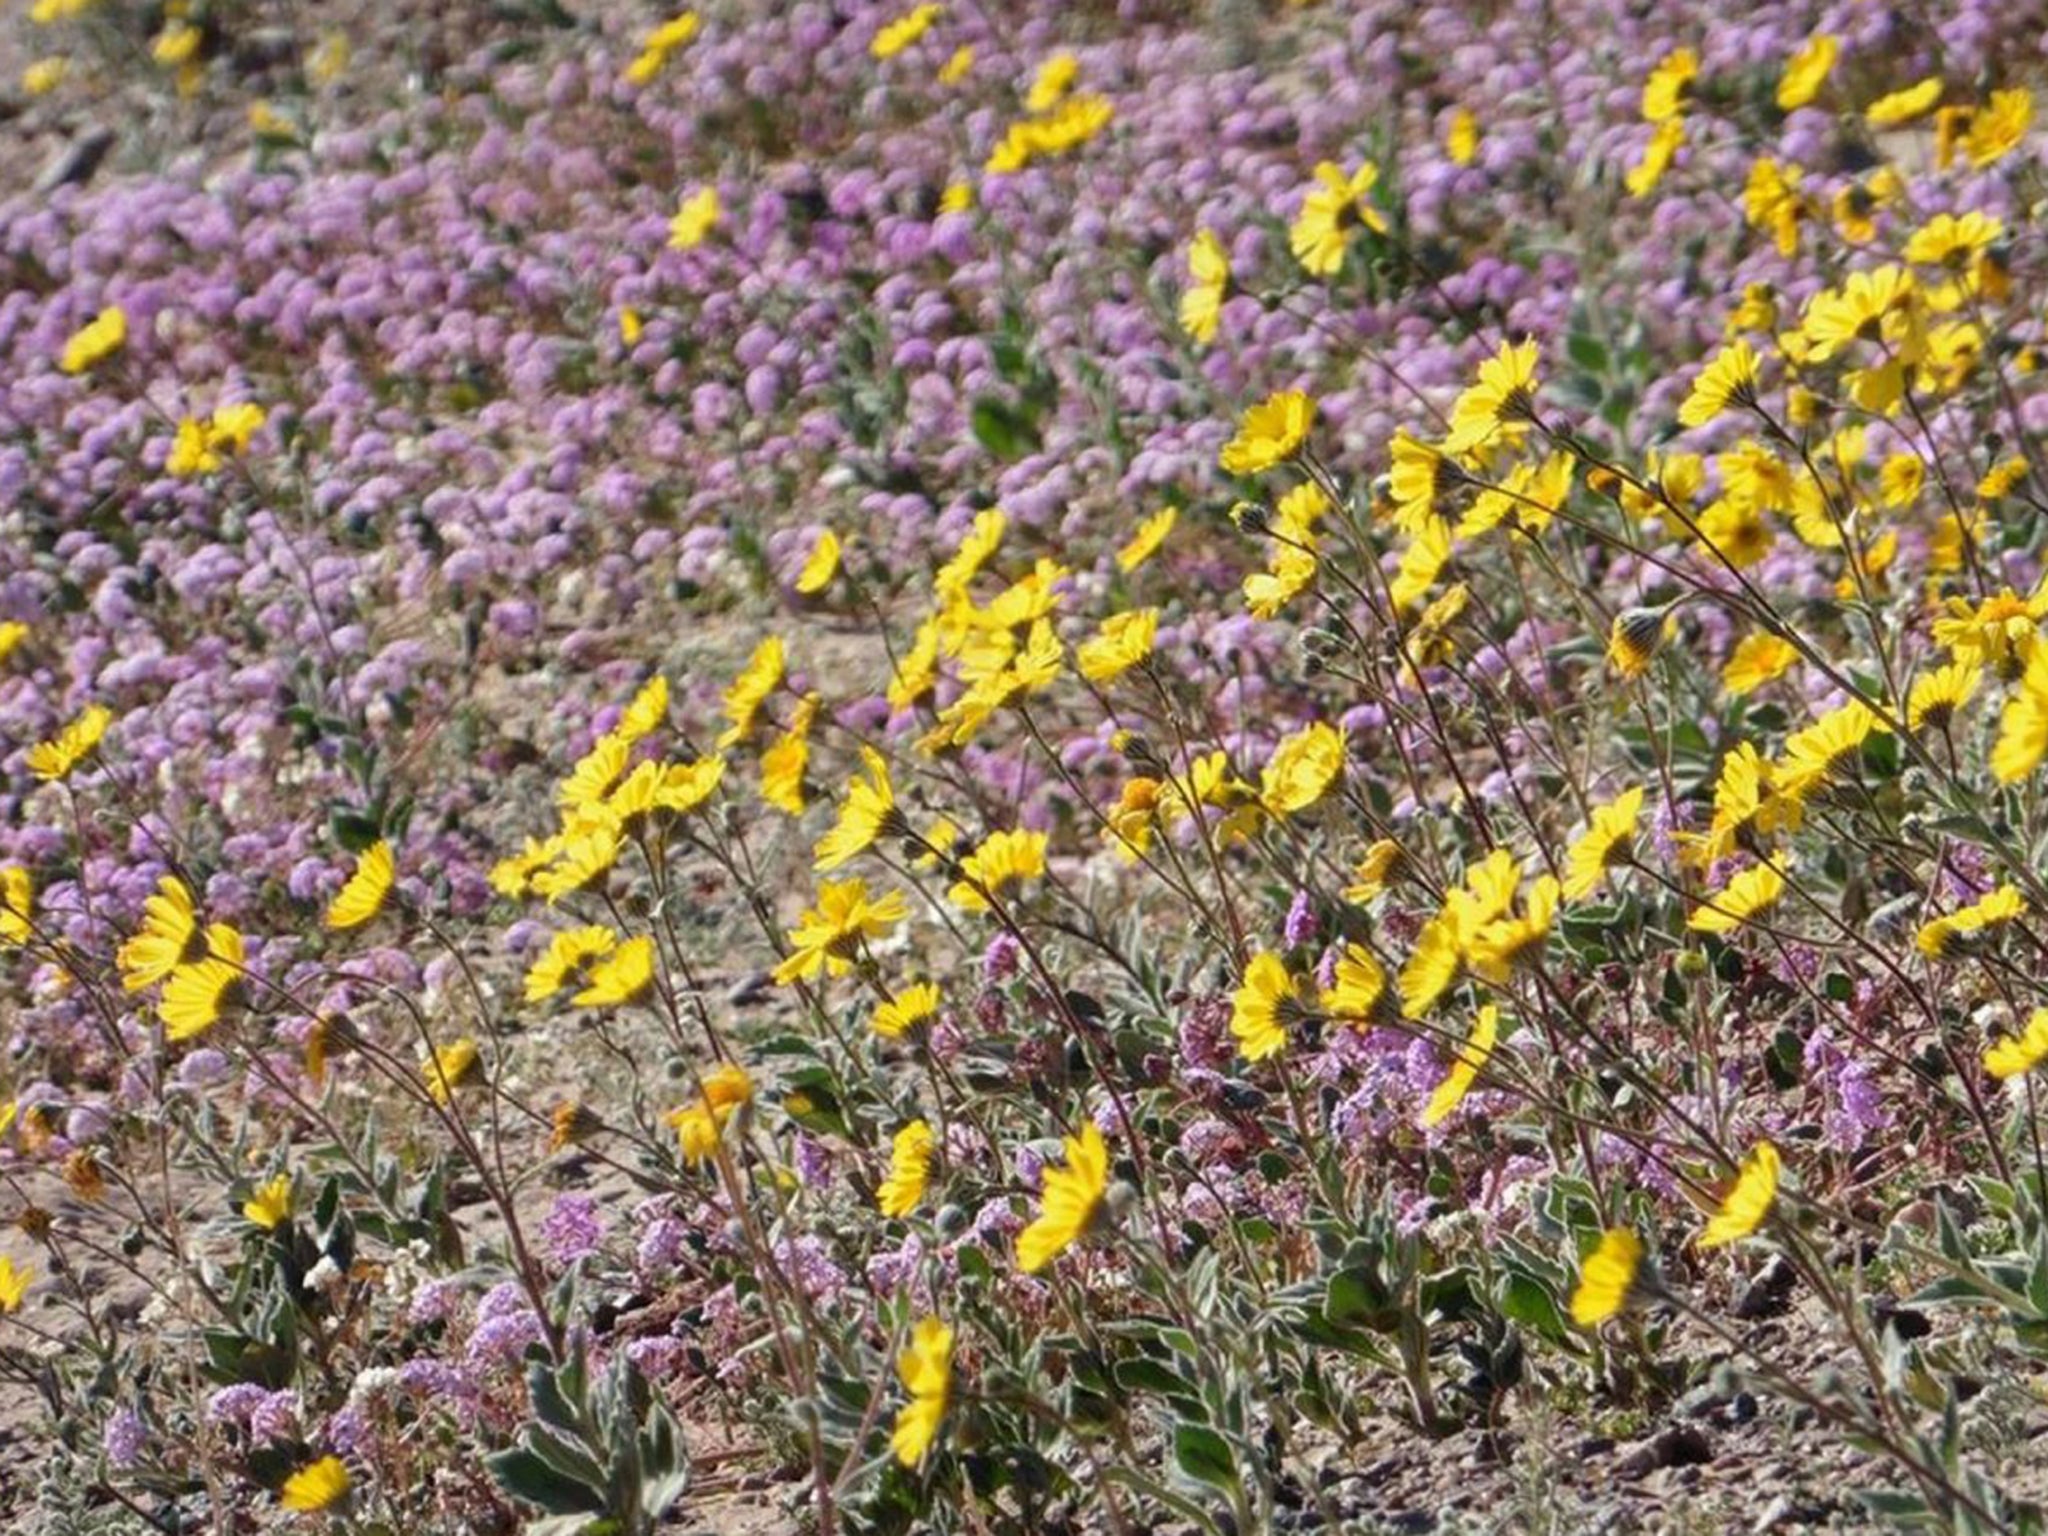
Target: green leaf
527 1478
1526 1300
1004 430
1204 1455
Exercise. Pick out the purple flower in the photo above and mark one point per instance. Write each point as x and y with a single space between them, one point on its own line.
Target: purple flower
126 1438
573 1229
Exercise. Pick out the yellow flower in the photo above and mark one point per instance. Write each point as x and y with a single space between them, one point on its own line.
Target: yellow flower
1441 947
1905 105
622 977
1669 86
54 759
2019 1054
1938 696
783 764
12 633
1506 942
694 220
1607 1278
197 993
1146 541
1757 312
1729 379
1302 768
327 60
14 1284
1635 638
1050 85
451 1067
2000 632
1422 561
364 895
913 1005
168 938
1261 1006
1461 137
1003 859
904 30
177 44
1735 529
982 541
1271 433
1746 800
1948 241
99 339
1807 70
698 1129
1771 201
910 1163
822 565
647 712
270 125
1374 871
1267 592
580 861
17 899
867 812
1947 938
271 1204
724 1090
1126 640
1998 126
1328 214
1472 1059
45 75
1605 842
315 1487
1756 660
1201 306
1816 756
685 786
1899 479
1750 894
328 1036
955 69
570 1124
1879 304
1130 820
1072 123
1659 150
674 33
566 956
1421 479
927 1371
595 772
631 326
831 934
1360 991
1499 404
750 690
1748 1201
1069 1199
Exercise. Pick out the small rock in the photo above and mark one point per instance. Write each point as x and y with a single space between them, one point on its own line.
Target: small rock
1774 1514
1769 1293
748 990
1681 1445
1904 1321
76 161
1742 1408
